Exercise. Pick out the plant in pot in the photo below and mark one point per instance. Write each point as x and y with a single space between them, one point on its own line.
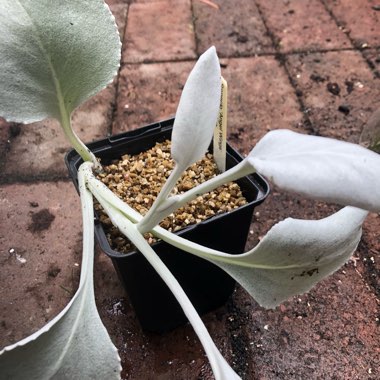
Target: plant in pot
137 179
66 64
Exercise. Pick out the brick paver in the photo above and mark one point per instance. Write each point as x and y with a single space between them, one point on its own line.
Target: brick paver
300 25
360 19
175 39
260 99
338 89
373 57
38 150
235 28
40 253
319 333
119 10
149 93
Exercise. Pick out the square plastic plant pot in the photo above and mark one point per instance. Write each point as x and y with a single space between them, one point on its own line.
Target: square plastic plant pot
207 286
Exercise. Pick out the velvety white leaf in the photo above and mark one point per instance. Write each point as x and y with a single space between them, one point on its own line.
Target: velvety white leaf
296 254
110 203
321 168
54 55
292 257
197 111
75 344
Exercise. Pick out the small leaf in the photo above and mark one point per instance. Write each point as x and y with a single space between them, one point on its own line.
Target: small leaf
75 344
320 168
54 55
193 129
197 111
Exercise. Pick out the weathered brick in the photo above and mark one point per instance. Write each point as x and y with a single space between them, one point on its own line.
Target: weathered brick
260 96
359 19
119 10
260 99
38 150
159 31
316 334
373 57
40 253
300 25
339 91
235 28
149 93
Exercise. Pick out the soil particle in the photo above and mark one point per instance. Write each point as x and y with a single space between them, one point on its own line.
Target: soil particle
371 271
344 108
41 221
14 129
317 78
349 86
333 88
53 271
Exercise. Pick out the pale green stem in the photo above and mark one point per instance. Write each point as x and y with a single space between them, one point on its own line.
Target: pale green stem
154 211
86 200
65 120
100 191
220 367
173 203
75 141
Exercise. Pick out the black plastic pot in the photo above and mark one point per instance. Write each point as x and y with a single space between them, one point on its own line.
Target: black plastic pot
207 286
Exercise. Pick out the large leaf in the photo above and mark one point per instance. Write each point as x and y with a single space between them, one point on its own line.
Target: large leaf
320 168
295 255
54 55
292 257
197 111
75 344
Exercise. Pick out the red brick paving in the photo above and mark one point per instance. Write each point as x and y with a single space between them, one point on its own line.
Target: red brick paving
373 57
148 93
39 253
38 150
300 25
236 28
119 10
175 39
261 98
359 18
339 91
331 333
